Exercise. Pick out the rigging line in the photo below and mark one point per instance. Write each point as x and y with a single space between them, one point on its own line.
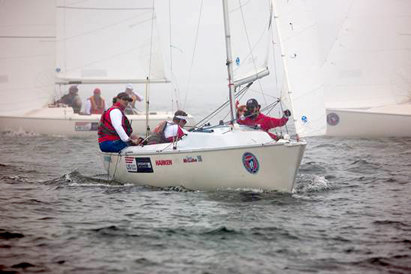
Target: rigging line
110 26
273 48
238 96
220 108
249 47
194 51
151 42
26 37
94 8
174 85
339 31
64 43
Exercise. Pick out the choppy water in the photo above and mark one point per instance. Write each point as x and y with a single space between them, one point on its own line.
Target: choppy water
350 213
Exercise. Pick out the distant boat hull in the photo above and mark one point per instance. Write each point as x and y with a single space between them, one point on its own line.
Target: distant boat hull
267 166
63 121
387 121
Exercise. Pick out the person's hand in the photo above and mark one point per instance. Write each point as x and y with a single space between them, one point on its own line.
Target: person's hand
287 113
133 142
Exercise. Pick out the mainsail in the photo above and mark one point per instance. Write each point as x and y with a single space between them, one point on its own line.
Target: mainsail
250 29
27 59
102 41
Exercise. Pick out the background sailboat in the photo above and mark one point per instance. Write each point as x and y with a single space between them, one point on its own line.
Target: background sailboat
366 59
82 43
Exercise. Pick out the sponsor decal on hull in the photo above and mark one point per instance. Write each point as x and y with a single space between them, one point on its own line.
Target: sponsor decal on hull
190 159
138 164
250 163
164 162
85 126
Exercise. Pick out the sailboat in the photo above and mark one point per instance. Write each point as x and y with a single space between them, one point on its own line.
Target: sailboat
56 44
366 66
231 156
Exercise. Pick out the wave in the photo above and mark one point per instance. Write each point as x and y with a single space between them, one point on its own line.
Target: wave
311 183
9 235
19 133
398 263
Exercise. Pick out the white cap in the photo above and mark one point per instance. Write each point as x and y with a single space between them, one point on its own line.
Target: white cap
181 117
129 86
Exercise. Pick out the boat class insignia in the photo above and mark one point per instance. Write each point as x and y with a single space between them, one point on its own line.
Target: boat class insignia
333 119
304 119
250 163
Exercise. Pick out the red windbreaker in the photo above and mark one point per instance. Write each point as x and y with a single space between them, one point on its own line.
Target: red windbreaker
265 122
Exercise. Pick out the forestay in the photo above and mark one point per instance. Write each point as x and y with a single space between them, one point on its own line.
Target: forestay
297 32
102 41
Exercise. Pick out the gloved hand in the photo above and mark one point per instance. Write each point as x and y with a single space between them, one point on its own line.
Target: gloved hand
287 113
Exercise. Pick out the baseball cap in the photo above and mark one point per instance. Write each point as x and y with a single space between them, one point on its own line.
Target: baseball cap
124 95
129 86
252 103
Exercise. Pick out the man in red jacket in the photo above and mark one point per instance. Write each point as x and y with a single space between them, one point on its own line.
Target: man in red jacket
114 131
253 117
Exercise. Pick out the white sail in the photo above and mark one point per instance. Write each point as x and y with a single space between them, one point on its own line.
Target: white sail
27 35
367 60
96 40
250 26
297 33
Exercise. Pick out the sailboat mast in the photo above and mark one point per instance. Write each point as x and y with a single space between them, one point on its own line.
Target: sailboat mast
229 60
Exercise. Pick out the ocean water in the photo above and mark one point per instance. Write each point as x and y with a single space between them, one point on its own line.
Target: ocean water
350 213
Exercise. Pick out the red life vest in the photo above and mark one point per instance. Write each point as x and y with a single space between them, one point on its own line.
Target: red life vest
106 131
96 108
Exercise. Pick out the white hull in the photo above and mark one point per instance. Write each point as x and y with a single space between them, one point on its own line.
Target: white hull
63 121
211 161
387 121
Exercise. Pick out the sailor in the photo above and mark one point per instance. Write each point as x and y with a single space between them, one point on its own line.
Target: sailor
72 99
95 104
114 131
135 97
253 117
168 132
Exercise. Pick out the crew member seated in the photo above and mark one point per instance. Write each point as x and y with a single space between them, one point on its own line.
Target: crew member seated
167 132
95 104
114 130
72 99
253 117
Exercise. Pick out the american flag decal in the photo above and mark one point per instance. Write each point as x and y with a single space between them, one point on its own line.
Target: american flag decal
129 160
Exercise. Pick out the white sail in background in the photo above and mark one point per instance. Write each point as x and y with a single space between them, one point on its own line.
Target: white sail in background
367 59
250 25
27 54
297 32
96 40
